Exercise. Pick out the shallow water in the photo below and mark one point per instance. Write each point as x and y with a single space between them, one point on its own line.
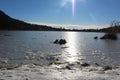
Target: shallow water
26 47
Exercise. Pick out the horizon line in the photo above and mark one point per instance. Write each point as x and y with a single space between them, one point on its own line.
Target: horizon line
71 26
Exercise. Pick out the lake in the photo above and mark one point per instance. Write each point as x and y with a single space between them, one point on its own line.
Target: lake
26 47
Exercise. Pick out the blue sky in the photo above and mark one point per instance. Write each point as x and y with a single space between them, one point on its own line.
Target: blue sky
87 12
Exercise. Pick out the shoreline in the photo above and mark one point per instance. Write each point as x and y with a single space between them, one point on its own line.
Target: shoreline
54 72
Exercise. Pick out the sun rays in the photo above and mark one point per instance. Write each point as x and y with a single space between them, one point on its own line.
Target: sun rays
73 7
72 2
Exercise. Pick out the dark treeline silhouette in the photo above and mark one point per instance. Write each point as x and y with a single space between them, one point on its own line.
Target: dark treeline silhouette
8 23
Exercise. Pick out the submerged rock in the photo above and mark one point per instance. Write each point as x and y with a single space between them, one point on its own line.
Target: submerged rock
85 64
107 68
64 47
68 67
96 37
97 64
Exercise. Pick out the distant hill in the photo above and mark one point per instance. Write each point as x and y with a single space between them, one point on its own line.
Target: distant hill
9 23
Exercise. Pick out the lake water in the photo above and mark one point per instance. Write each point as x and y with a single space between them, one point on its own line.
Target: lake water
26 47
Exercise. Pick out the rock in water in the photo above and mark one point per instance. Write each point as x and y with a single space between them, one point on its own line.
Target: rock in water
56 41
60 42
110 36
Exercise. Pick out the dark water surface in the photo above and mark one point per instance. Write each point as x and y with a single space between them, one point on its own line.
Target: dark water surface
23 47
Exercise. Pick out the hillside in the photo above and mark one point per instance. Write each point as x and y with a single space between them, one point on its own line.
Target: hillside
9 23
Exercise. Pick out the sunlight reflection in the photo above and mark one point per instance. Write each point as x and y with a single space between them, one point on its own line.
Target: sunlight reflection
71 52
